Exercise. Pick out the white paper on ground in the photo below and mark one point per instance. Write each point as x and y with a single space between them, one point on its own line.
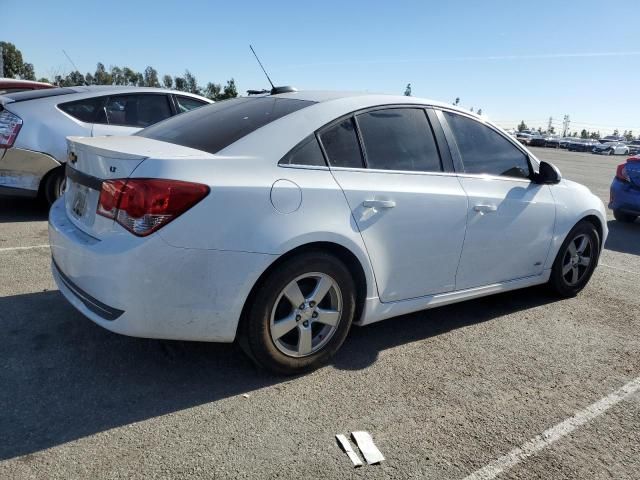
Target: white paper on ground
367 447
346 446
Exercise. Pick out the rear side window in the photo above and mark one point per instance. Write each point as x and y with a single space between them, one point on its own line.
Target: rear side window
137 110
217 126
340 142
306 153
485 151
87 110
399 139
186 104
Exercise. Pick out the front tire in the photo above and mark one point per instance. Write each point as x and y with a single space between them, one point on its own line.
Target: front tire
576 260
624 217
301 314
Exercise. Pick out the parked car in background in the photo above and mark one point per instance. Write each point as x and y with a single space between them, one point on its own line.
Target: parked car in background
530 138
624 197
34 126
565 141
282 220
11 85
634 147
552 141
582 145
612 138
611 148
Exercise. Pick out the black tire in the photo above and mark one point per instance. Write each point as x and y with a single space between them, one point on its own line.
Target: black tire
611 152
53 186
258 342
624 217
558 281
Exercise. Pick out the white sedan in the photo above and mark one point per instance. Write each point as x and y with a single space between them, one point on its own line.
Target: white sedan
282 220
34 126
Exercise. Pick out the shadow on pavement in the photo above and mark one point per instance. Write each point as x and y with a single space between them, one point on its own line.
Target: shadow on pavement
22 210
64 378
624 237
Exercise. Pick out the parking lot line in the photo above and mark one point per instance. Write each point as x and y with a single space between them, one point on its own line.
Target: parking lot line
555 433
11 249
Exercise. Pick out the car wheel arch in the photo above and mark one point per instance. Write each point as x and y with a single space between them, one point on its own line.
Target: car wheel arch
349 258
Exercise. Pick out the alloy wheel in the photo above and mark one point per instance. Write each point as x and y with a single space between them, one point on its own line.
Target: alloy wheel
306 314
577 259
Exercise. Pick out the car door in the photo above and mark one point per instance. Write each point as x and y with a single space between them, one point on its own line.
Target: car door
129 113
510 219
411 213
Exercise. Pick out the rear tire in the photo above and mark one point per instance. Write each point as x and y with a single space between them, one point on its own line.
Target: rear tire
54 185
624 217
576 260
288 329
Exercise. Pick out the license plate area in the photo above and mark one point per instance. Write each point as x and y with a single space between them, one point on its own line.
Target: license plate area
79 201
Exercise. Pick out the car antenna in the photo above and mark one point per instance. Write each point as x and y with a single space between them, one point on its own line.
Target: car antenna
74 66
274 90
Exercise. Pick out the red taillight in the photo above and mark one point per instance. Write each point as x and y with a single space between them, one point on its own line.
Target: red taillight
143 205
621 173
10 125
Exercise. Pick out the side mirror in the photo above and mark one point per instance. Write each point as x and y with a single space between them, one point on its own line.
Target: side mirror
548 174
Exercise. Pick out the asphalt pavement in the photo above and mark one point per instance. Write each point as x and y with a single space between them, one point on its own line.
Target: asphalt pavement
444 393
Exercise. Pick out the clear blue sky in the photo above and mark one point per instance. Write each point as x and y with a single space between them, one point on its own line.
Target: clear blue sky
516 60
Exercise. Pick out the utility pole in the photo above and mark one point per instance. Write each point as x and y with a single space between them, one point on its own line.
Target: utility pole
565 125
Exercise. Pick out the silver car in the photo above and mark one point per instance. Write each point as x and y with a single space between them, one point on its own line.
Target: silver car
34 126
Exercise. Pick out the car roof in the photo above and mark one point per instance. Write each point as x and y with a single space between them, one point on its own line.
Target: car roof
68 94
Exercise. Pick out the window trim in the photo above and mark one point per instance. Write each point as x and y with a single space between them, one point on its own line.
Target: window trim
457 156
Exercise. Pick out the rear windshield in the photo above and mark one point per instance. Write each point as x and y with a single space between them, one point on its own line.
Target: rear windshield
42 93
217 126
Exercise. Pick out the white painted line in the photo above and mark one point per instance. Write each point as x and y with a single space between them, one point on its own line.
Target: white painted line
533 446
11 249
618 268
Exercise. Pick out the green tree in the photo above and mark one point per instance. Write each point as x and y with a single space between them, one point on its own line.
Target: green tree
230 90
181 84
102 77
552 129
74 78
522 126
212 91
457 101
44 80
12 59
479 112
190 82
151 77
27 72
628 136
167 81
407 91
616 132
88 78
584 133
117 76
130 77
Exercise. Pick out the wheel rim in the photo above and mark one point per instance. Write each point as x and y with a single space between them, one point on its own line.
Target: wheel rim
62 186
306 314
577 259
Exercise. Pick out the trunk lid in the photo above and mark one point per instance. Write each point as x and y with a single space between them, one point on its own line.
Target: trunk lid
633 170
92 160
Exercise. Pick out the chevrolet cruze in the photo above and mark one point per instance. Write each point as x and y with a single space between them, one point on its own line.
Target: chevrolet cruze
282 220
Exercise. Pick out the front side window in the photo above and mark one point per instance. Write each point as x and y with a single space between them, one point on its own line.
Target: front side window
186 104
216 126
485 151
399 139
137 110
340 142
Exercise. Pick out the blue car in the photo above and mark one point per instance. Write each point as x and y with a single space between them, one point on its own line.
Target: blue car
625 191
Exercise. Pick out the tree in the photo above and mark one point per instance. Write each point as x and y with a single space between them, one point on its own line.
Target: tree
130 77
117 76
522 126
167 81
457 101
151 77
190 83
575 134
102 77
230 90
27 72
628 136
44 80
584 133
88 79
407 91
479 112
180 84
616 132
12 60
471 109
594 135
552 129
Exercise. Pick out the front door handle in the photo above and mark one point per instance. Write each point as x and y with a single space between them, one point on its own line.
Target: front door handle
482 209
378 204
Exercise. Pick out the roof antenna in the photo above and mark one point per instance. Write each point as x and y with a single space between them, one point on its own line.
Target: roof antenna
74 65
274 90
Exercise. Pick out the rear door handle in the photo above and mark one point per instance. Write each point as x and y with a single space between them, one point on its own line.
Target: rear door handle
378 204
482 209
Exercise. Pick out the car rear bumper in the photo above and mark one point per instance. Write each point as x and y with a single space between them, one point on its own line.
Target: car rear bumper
144 287
624 197
22 170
